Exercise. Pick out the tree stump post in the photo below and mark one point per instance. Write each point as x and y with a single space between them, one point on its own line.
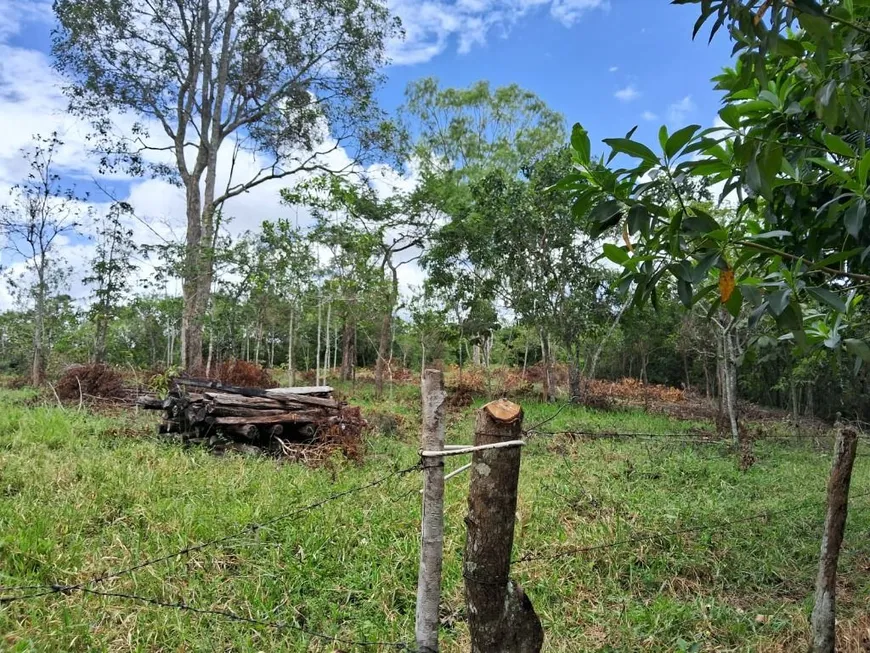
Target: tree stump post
500 615
823 617
432 540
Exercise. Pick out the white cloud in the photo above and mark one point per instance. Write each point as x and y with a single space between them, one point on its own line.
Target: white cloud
15 13
649 116
613 69
627 94
431 25
679 111
569 12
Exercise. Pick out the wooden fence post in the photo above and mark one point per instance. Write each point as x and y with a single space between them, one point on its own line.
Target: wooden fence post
500 615
429 576
824 630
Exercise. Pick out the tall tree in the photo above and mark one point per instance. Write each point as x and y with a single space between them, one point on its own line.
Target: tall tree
271 84
462 135
111 268
39 214
396 227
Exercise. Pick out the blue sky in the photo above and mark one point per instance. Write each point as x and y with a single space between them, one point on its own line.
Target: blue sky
609 64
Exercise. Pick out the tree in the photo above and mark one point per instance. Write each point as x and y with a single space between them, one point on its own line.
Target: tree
279 84
463 135
110 273
396 229
39 214
793 162
527 251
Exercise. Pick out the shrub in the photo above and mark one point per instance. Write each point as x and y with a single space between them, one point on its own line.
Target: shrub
83 381
244 374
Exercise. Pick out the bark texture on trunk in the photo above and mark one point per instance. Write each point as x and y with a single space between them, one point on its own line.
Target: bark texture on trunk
348 350
383 351
432 531
824 610
500 615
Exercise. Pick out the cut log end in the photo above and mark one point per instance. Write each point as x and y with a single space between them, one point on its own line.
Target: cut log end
504 411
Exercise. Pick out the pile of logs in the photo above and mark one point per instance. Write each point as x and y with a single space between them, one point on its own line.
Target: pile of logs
208 411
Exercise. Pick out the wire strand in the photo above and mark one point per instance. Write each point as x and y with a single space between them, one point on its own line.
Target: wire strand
249 528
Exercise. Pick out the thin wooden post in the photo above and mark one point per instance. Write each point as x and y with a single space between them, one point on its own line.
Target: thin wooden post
432 544
824 630
500 615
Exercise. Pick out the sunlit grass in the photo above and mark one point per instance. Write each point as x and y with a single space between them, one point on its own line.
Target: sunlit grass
82 494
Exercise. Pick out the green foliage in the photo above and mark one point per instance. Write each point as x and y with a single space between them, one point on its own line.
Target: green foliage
793 164
83 494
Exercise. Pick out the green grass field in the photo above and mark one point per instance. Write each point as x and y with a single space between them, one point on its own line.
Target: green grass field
82 494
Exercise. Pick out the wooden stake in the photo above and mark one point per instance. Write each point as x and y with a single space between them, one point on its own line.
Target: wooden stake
500 615
823 618
429 577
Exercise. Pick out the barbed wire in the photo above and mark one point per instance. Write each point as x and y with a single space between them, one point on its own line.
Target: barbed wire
252 527
233 616
711 438
715 526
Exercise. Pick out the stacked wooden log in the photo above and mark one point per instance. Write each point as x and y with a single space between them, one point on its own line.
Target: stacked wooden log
200 409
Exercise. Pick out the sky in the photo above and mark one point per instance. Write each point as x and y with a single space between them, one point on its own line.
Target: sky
608 64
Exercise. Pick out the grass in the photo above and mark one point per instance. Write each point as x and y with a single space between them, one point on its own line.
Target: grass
81 494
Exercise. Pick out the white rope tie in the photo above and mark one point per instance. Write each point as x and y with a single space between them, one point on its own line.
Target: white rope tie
465 450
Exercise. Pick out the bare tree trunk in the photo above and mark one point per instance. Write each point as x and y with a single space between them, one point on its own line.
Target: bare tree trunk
291 372
500 615
729 385
348 350
101 329
707 388
383 346
475 353
37 373
208 360
824 610
386 339
317 353
686 371
526 357
549 385
326 358
600 348
795 402
432 530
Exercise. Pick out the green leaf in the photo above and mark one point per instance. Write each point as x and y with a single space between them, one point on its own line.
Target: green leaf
838 146
580 143
769 164
604 211
854 217
730 116
825 296
790 318
616 254
663 136
639 219
678 140
701 222
684 290
770 97
837 258
735 302
826 104
778 301
858 348
831 167
863 169
632 148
